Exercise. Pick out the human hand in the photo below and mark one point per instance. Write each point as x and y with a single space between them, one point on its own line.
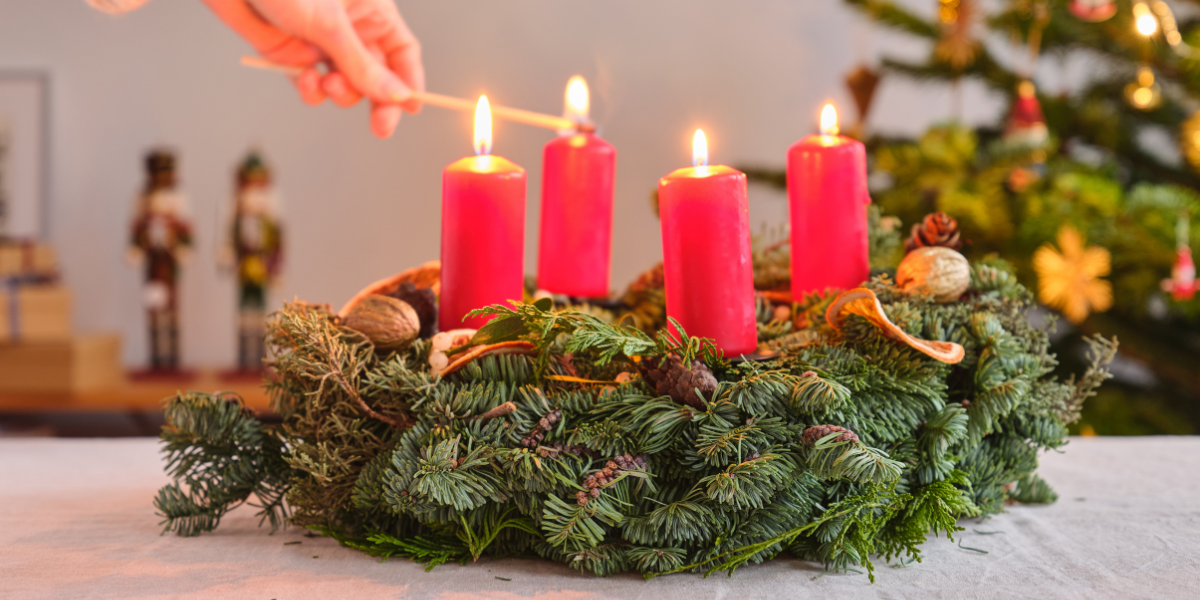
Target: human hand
373 53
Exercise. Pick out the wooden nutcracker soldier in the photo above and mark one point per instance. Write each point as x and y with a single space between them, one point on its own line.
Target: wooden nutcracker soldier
161 238
256 250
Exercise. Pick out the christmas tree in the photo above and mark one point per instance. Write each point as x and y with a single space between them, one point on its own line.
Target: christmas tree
1067 188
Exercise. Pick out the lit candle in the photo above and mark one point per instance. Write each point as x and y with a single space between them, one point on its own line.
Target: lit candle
706 252
577 206
483 230
827 194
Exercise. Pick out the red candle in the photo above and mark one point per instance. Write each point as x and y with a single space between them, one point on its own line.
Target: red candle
483 231
709 280
577 204
827 194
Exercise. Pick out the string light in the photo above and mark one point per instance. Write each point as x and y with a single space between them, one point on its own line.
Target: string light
1143 20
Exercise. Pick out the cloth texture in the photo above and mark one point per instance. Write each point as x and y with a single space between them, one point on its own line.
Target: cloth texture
76 521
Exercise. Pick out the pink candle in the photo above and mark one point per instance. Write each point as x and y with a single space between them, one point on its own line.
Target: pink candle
483 231
827 193
577 199
706 252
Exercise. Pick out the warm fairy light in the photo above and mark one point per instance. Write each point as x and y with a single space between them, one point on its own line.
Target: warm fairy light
1142 97
1145 22
483 127
577 100
699 149
829 124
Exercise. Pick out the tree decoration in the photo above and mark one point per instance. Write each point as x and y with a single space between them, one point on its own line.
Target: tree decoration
1093 11
1069 277
936 229
937 271
957 45
862 83
1026 124
1182 283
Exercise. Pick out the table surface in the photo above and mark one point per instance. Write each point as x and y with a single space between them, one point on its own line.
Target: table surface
76 522
134 394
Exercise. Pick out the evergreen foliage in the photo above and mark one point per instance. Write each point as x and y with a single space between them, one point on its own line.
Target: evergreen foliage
379 453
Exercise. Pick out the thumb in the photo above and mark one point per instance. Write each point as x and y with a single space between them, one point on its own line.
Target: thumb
367 73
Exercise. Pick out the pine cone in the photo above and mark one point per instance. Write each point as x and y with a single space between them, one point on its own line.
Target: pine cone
938 229
648 280
816 432
670 378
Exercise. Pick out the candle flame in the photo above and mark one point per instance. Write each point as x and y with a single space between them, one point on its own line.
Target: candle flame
483 127
829 124
699 149
577 100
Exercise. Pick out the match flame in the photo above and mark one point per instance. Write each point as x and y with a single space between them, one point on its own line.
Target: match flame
829 124
577 100
483 127
699 149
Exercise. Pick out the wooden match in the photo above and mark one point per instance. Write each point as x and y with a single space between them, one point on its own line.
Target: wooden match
442 101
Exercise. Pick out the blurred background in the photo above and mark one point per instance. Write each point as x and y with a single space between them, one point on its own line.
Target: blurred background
88 95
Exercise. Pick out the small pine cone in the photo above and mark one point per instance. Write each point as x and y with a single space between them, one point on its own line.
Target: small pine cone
816 432
669 377
553 417
595 492
938 229
640 460
608 473
544 423
581 498
590 482
610 465
649 280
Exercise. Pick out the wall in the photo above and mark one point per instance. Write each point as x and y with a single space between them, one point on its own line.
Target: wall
359 208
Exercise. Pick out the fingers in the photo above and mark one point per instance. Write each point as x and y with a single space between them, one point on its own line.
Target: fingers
384 118
270 41
334 32
401 52
339 90
308 83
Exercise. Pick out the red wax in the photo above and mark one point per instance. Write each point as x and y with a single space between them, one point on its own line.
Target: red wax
577 205
483 238
706 255
827 193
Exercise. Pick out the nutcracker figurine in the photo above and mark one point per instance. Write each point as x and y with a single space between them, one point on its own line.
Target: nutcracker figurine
255 251
161 239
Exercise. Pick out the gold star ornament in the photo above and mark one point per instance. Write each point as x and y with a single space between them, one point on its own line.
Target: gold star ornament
1069 277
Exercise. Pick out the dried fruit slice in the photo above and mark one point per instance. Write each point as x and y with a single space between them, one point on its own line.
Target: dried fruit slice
427 275
862 302
462 360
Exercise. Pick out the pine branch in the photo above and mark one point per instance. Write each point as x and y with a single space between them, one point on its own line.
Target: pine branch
850 460
1101 352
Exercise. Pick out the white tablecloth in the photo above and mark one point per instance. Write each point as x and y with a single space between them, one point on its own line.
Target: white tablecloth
76 522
